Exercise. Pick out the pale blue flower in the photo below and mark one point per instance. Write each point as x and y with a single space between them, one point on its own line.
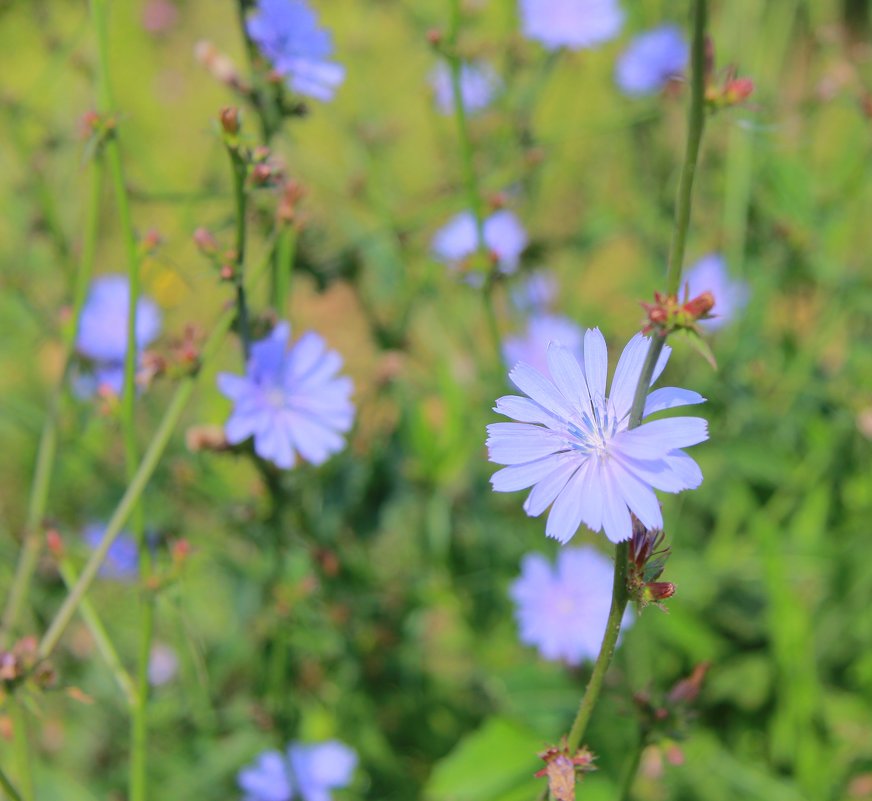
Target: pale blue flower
122 558
478 83
535 293
504 238
290 400
651 60
304 772
571 443
710 274
288 34
102 334
562 609
575 24
542 330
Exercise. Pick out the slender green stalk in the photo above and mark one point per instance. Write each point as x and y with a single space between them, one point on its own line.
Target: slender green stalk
240 197
631 768
47 449
695 125
101 636
467 160
620 595
8 787
284 267
134 490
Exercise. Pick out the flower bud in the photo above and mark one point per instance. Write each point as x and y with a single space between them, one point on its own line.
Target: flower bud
205 241
229 117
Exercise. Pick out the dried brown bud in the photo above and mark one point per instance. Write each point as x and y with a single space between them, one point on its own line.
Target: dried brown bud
229 117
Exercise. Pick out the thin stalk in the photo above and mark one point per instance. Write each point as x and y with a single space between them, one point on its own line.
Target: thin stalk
631 768
138 721
284 267
695 125
101 636
134 490
47 448
8 787
240 171
470 177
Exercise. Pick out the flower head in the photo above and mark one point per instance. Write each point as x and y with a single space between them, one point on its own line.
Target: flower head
290 400
306 772
572 443
532 348
102 335
562 609
651 60
535 293
288 34
122 559
478 82
503 237
710 274
575 24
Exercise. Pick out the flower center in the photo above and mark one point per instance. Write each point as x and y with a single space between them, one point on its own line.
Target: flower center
275 397
592 432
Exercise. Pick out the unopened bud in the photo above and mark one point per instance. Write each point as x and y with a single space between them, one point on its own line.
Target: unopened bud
54 542
700 306
738 90
434 36
227 272
658 591
205 241
229 117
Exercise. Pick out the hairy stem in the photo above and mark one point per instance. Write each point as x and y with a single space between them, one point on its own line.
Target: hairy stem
239 170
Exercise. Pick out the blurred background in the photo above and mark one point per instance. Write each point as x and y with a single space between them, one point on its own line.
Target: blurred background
374 609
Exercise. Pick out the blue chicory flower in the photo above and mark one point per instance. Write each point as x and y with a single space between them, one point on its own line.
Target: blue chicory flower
122 559
306 772
651 60
575 24
572 445
535 293
288 34
503 234
710 274
478 83
542 330
562 609
290 400
102 334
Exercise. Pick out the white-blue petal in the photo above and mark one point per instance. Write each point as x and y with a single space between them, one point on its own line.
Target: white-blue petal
654 440
544 493
670 398
516 443
565 515
520 476
638 495
616 517
531 382
526 411
568 376
627 375
596 362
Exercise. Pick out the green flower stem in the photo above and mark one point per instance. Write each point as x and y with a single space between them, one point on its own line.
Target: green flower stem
47 448
467 161
143 473
101 636
21 749
240 172
8 787
620 596
286 249
695 125
631 768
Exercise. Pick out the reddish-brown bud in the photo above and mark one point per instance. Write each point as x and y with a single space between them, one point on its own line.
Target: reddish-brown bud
227 272
54 543
738 90
434 37
205 241
700 306
229 117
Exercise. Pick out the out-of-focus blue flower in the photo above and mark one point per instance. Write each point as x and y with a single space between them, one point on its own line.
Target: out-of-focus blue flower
535 293
710 274
102 335
532 348
651 60
306 772
288 34
572 445
503 237
122 559
478 83
290 400
575 24
563 609
163 664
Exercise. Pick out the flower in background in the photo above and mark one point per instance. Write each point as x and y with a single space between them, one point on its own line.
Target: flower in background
288 34
541 332
306 772
535 293
562 609
573 447
575 24
163 664
478 83
710 274
102 335
122 559
504 238
652 60
290 400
